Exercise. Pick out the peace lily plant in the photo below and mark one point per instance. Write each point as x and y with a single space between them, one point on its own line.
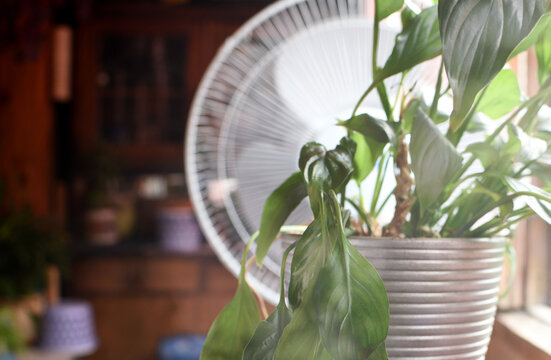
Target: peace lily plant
337 304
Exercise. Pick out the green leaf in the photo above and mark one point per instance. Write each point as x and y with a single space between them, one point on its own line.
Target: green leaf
531 39
501 96
373 129
266 336
543 54
486 153
537 199
277 208
418 42
384 8
364 159
233 327
477 39
530 148
301 338
326 170
379 353
350 298
309 258
434 159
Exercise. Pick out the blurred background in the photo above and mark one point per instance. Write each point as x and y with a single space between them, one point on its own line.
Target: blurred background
94 96
100 254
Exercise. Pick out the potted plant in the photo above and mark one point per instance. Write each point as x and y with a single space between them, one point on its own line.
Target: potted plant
28 247
449 197
10 339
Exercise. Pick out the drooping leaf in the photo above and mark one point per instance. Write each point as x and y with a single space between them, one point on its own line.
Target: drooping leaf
501 96
301 338
537 199
350 298
418 42
263 344
543 54
234 326
331 169
266 336
309 258
434 159
279 205
477 39
379 353
384 8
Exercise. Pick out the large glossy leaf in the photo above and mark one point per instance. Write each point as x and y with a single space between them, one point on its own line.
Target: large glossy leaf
537 199
384 8
531 39
277 208
418 42
477 39
233 327
434 159
331 169
501 96
543 54
350 298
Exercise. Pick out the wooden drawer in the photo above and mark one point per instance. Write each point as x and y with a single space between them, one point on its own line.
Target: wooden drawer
136 275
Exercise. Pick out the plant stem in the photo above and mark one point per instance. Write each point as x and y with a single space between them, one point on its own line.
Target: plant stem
436 97
282 273
403 194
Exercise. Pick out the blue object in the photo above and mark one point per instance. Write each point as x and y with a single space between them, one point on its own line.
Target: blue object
181 347
6 356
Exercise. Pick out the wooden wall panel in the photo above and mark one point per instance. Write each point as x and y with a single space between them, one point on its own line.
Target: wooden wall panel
26 129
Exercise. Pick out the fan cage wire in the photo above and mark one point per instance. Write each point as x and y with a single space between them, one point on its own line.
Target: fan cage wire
208 128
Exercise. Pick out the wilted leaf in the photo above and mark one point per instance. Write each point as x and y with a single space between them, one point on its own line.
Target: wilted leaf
477 39
308 259
266 336
233 327
331 169
301 338
350 298
277 208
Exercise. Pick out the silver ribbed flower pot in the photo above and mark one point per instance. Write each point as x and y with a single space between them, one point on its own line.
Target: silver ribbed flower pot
443 294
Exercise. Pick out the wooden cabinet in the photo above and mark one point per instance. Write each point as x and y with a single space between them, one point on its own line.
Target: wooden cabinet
139 298
137 68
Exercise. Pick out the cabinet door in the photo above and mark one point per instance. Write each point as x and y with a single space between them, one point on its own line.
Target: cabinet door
134 82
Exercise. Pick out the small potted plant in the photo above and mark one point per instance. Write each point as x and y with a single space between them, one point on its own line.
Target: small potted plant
28 247
448 196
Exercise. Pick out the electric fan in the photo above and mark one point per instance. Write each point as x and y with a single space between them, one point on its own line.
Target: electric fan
281 80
